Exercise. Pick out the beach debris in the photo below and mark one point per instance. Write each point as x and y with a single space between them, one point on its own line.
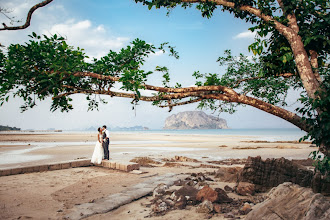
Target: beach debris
138 172
206 199
145 161
229 161
173 164
223 146
180 159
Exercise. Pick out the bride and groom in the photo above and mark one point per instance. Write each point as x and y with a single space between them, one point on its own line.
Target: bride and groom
101 150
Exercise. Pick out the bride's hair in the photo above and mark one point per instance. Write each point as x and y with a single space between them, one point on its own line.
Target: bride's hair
99 129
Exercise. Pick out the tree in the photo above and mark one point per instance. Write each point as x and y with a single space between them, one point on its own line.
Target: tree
292 51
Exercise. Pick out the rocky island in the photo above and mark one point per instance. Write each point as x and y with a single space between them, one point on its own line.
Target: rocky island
194 120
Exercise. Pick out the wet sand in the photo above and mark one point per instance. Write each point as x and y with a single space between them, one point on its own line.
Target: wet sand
21 149
50 195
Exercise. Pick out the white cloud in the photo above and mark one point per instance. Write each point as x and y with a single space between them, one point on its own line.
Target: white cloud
94 39
244 35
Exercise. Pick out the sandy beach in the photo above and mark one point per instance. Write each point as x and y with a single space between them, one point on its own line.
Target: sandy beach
51 195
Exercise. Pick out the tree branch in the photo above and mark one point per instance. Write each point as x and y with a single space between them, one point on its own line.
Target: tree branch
285 75
315 64
181 103
28 18
264 106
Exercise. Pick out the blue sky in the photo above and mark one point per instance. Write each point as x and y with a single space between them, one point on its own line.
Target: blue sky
101 25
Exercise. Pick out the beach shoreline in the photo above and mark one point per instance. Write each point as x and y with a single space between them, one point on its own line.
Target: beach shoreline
54 193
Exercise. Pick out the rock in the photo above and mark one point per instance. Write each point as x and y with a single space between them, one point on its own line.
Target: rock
320 184
188 192
181 202
223 197
194 120
205 207
244 188
229 215
228 174
169 202
218 195
245 209
179 182
217 208
291 201
207 193
268 173
183 159
228 188
160 207
159 190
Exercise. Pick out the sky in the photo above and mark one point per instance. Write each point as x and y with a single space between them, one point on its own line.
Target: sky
101 25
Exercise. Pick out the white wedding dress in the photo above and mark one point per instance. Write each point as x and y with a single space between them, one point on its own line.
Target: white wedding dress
98 154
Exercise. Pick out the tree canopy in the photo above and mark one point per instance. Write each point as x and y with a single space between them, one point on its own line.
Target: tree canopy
291 51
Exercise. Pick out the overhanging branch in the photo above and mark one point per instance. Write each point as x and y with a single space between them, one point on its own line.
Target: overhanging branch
28 18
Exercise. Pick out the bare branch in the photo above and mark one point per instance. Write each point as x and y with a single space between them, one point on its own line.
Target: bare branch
28 18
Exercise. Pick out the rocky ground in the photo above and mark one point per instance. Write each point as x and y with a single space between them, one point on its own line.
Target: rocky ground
232 192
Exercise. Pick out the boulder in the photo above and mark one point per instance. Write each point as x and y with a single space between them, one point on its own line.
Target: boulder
228 188
245 209
188 192
228 174
159 190
181 202
245 188
160 207
218 195
222 196
321 184
205 207
291 201
268 173
207 193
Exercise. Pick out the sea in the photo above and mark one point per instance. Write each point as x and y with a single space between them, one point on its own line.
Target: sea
21 155
265 134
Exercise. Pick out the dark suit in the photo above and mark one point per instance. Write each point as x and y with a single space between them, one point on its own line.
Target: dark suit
105 146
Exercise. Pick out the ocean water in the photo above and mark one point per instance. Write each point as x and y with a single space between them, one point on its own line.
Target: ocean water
266 134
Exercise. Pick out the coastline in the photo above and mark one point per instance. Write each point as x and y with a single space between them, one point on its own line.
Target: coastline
59 146
55 193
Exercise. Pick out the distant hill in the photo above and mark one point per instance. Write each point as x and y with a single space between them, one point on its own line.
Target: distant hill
134 128
194 120
7 128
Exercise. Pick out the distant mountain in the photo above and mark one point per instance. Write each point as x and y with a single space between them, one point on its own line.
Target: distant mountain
7 128
134 128
194 120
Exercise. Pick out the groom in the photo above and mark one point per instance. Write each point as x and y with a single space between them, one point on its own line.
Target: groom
106 142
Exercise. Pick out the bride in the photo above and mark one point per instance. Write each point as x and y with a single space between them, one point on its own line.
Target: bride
98 153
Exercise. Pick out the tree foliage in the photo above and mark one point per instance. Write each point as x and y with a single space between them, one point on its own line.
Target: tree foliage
291 48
